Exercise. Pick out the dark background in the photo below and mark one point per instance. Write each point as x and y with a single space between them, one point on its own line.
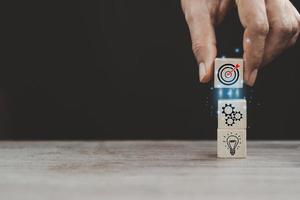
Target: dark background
114 69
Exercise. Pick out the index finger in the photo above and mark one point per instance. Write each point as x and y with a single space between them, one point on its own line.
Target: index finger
253 16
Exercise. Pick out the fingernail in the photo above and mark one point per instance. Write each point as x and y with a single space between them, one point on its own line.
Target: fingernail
252 77
202 71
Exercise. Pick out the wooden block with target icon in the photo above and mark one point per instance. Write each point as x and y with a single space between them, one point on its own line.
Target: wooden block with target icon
232 114
232 143
228 73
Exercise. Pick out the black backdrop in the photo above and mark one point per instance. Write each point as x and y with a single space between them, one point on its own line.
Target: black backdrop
114 69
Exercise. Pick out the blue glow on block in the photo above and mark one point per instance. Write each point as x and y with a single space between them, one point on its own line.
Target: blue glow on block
220 93
229 93
237 50
237 93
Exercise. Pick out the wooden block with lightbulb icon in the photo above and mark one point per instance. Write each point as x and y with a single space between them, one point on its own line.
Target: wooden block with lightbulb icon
228 73
232 143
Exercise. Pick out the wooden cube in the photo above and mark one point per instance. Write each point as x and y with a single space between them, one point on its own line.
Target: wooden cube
232 143
232 114
226 74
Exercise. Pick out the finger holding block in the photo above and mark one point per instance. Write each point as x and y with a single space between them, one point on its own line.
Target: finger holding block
232 114
232 143
229 73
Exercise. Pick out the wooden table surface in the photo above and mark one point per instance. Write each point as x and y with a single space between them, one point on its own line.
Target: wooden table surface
138 170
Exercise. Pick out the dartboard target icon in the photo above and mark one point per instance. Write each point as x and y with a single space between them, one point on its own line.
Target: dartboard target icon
228 74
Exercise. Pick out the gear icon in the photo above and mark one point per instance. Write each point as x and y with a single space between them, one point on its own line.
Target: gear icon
231 115
229 121
237 116
228 110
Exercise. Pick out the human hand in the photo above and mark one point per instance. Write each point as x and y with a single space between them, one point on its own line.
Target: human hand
271 26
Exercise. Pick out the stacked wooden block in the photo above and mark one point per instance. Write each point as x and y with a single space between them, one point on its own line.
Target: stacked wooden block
232 113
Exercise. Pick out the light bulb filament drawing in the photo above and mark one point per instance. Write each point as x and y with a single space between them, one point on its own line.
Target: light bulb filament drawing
232 143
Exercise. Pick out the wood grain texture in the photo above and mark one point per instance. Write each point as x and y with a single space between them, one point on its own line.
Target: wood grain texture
147 170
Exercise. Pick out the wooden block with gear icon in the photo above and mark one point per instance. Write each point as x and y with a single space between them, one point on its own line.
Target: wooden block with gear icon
232 114
228 73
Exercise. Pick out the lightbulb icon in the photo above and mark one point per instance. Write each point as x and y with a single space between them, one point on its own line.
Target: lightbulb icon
232 142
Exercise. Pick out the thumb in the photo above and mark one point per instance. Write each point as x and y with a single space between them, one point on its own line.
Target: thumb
204 43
